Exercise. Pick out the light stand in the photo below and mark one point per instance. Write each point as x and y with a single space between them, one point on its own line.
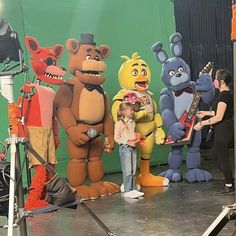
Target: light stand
10 50
229 212
6 89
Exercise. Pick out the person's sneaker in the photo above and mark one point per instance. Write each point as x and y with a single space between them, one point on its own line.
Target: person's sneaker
140 194
226 191
130 194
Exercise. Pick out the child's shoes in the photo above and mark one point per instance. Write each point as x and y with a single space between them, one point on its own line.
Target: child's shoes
130 194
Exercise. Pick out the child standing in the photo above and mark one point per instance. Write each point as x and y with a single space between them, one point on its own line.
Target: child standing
125 136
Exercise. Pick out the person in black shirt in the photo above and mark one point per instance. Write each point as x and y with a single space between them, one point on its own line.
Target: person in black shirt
221 117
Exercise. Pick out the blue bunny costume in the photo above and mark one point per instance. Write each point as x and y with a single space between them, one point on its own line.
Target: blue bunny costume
175 99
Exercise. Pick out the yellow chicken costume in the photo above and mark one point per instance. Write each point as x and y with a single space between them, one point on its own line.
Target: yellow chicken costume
135 76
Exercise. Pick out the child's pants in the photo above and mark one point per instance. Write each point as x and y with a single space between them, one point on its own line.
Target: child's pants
128 159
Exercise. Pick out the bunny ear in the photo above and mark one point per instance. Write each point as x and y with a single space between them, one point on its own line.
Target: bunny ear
159 53
175 44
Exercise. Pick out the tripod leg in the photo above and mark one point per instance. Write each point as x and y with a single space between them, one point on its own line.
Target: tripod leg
28 172
218 224
11 209
20 194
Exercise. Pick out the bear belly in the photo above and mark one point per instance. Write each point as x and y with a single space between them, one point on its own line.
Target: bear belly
182 103
91 106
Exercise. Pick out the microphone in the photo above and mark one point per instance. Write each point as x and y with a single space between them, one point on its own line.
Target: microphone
92 133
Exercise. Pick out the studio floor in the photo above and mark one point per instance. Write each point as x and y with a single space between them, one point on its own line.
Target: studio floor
182 209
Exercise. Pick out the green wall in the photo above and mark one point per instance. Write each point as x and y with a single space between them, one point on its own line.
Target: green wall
125 25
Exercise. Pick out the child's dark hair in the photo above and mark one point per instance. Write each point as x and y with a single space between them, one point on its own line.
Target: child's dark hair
122 107
226 76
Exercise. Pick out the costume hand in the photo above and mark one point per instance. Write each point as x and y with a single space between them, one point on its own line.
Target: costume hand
204 83
176 131
140 114
109 143
201 114
160 136
27 88
198 126
77 134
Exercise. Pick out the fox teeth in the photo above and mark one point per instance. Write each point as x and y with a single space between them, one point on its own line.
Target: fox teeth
52 76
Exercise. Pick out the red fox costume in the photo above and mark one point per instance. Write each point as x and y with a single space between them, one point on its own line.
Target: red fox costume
39 118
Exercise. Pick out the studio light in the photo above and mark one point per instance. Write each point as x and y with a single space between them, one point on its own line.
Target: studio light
9 43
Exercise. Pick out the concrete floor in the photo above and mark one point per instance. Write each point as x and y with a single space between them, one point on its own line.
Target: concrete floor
182 209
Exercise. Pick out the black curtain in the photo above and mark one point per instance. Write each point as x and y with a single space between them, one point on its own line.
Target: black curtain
206 27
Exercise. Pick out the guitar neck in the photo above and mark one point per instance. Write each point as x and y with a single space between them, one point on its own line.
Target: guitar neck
197 95
194 106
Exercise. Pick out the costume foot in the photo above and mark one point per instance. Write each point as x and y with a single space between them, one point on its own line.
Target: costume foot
105 188
86 193
148 180
35 204
172 175
197 175
113 188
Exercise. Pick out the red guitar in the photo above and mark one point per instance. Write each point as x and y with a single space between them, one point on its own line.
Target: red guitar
188 119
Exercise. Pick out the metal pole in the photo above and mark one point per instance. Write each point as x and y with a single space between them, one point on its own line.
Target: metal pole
233 38
11 208
20 194
234 76
6 89
28 172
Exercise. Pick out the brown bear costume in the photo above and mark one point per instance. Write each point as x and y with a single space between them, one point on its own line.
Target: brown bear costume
83 111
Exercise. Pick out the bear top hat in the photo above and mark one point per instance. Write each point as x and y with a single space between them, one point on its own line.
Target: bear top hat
87 38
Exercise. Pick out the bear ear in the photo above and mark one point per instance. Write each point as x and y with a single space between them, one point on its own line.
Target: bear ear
159 53
72 45
58 49
175 44
105 51
32 44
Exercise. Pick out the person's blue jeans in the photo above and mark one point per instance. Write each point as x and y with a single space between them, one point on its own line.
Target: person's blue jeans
128 160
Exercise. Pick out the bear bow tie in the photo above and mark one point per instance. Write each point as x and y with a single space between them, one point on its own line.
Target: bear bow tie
186 90
91 87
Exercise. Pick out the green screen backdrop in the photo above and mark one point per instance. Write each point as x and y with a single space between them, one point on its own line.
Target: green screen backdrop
125 25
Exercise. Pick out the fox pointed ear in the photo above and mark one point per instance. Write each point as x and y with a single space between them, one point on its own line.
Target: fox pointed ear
58 49
32 44
72 45
105 51
159 53
175 44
